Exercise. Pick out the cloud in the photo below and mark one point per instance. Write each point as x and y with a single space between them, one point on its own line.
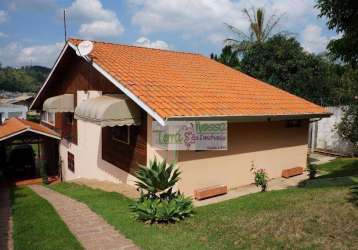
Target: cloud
313 39
186 16
205 18
3 16
14 54
145 42
293 9
37 5
96 22
3 34
101 29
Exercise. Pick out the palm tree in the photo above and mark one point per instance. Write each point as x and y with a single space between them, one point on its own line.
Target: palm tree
259 30
228 57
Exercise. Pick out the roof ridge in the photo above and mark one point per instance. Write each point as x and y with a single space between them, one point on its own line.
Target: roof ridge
137 46
21 121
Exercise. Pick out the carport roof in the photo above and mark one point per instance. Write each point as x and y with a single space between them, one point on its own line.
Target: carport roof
16 126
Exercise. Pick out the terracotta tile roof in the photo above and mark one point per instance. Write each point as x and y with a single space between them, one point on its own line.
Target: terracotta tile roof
186 84
15 126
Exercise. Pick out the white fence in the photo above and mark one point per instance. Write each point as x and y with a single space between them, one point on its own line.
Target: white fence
323 134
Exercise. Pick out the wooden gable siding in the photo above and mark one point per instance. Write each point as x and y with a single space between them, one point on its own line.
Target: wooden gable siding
68 131
126 157
72 74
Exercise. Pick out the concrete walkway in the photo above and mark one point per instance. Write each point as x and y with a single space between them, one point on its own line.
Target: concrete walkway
91 230
274 184
316 158
6 241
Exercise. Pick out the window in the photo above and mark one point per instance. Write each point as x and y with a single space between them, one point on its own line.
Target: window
71 161
69 117
293 123
69 127
121 134
48 117
51 118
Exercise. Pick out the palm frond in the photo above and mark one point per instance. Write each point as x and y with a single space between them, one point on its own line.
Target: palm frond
270 25
239 33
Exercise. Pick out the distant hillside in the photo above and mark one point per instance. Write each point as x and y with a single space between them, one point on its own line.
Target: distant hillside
24 79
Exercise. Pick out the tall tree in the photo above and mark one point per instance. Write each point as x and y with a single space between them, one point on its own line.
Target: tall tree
260 29
25 79
348 127
227 57
282 62
342 16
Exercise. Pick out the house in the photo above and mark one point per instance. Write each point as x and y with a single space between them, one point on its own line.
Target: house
8 111
25 99
104 104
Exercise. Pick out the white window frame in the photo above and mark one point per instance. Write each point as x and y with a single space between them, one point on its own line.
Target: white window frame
45 118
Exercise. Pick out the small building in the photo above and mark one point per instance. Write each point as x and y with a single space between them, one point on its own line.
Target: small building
18 139
8 111
104 105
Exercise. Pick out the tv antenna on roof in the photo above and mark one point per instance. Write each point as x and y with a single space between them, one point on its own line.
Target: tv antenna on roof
65 24
84 48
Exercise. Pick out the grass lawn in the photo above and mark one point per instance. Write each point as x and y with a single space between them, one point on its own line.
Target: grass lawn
37 225
339 168
324 217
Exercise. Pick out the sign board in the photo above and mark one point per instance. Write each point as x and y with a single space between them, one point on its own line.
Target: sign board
190 135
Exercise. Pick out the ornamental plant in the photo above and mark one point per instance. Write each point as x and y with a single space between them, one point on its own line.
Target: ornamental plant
312 171
261 178
158 203
158 179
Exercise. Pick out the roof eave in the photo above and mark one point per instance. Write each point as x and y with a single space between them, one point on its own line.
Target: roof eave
29 130
250 118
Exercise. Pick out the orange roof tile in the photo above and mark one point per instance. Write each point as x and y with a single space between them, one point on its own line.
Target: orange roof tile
15 126
177 84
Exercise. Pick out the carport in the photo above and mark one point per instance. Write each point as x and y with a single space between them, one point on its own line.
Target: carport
24 147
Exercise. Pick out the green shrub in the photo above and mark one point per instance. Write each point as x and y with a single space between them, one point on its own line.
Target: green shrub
157 179
158 203
261 178
162 211
312 171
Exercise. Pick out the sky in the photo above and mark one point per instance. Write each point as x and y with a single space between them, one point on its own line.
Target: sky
32 31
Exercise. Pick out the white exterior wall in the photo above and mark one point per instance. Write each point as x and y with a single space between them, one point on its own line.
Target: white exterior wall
325 136
88 153
6 110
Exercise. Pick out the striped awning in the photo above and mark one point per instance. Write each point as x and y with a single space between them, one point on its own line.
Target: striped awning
60 103
109 110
